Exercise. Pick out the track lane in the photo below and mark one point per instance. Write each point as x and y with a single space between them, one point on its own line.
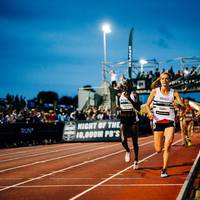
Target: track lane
66 184
83 159
41 158
33 156
181 162
12 152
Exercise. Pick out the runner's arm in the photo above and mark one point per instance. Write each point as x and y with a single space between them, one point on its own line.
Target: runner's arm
149 101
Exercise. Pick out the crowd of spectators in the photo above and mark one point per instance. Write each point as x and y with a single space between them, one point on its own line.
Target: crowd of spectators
26 115
150 76
61 115
186 72
93 113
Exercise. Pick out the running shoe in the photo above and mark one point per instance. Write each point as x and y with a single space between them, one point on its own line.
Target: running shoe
184 143
163 173
127 156
135 165
189 143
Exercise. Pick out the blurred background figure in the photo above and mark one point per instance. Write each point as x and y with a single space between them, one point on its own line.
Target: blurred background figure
188 117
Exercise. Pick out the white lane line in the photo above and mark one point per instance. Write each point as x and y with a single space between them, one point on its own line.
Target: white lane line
47 160
109 178
86 178
32 148
39 154
67 168
105 185
10 178
13 153
57 158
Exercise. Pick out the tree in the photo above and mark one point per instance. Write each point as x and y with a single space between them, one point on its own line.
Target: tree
9 99
65 100
47 97
75 101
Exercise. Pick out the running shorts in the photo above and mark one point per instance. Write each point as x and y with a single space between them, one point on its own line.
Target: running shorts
128 118
162 126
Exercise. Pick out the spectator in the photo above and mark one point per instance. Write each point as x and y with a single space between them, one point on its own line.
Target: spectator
157 73
192 72
122 79
178 75
113 77
52 116
150 75
61 117
171 71
143 75
138 75
186 72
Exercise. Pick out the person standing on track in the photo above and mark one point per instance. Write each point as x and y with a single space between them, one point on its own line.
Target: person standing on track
129 107
163 117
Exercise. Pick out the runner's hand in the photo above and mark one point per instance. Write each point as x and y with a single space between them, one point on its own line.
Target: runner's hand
150 115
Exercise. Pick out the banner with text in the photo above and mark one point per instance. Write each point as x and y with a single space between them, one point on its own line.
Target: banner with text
83 131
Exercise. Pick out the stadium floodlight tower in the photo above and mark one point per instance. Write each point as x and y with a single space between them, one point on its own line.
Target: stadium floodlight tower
142 63
106 29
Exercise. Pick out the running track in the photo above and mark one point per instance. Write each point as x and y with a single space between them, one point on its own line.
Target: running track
93 171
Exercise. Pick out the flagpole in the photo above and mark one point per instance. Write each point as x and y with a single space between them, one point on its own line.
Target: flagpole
130 53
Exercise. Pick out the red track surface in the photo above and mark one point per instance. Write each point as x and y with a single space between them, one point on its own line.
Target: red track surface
93 171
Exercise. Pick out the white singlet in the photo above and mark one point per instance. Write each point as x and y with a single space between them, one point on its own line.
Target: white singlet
162 106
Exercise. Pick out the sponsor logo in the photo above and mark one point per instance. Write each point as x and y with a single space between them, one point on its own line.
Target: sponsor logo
69 131
26 130
129 55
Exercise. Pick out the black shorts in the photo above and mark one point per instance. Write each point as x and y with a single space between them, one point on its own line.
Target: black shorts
128 118
162 126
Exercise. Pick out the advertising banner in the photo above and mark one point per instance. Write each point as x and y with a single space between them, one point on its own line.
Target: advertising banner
79 131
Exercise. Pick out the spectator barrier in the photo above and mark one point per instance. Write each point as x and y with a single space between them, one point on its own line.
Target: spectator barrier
22 134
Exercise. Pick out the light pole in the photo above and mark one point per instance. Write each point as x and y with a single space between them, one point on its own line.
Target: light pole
105 29
142 63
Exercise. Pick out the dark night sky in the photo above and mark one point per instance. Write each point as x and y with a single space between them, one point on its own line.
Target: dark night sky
58 45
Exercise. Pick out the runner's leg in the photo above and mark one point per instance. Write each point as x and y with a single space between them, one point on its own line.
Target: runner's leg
134 136
158 139
123 136
169 136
